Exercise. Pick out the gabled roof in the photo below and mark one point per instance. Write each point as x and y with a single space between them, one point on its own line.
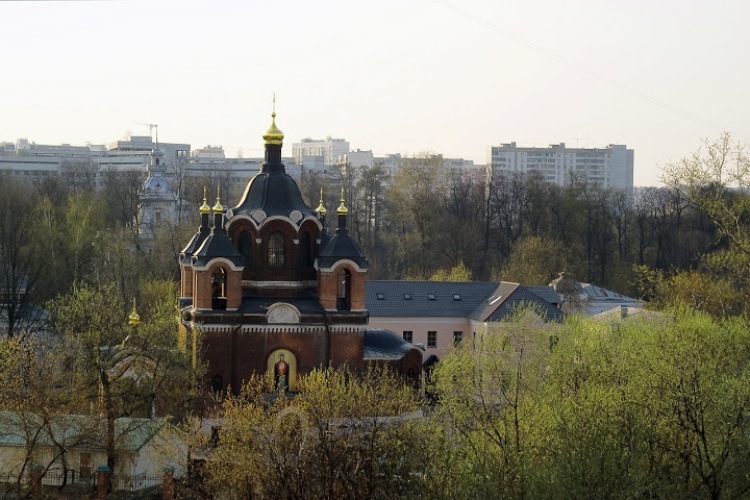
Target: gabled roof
480 301
545 292
509 298
405 299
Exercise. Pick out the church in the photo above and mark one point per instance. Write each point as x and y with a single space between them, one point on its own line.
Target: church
272 294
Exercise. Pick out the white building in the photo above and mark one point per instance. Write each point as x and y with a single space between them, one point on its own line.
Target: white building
610 167
157 201
71 447
356 159
328 148
29 161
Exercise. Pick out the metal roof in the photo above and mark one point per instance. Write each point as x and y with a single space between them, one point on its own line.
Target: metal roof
446 299
481 301
385 345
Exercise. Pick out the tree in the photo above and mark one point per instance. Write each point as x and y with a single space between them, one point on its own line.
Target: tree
535 260
458 273
460 235
79 174
120 189
129 369
21 262
715 180
489 391
342 436
414 212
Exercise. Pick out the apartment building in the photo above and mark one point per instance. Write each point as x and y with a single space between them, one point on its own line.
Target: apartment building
609 167
329 149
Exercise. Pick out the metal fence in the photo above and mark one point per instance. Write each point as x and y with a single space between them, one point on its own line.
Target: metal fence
73 485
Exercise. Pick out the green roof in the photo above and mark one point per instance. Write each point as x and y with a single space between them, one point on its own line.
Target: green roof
75 431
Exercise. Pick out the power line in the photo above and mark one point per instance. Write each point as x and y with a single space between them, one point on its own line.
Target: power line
583 69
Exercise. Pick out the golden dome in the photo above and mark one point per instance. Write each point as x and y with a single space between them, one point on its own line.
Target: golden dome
205 209
273 135
134 319
218 208
321 209
342 210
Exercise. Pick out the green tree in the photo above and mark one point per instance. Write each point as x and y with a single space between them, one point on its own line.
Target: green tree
535 260
120 368
458 273
490 392
342 436
715 180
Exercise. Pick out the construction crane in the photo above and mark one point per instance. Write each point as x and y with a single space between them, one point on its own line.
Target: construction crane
151 127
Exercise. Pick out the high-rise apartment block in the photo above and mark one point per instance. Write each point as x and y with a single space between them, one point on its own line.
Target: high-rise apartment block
327 149
610 167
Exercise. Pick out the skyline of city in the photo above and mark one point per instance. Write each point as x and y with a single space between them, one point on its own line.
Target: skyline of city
408 77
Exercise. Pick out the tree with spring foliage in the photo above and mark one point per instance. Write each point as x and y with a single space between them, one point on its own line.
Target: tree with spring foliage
124 368
342 436
716 181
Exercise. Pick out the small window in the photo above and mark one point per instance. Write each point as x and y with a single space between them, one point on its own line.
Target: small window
457 337
408 336
276 251
407 296
430 296
456 296
381 296
431 339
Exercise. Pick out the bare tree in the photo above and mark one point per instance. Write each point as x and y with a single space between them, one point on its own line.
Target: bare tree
21 266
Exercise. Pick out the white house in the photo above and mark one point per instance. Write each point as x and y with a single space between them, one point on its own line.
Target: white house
72 447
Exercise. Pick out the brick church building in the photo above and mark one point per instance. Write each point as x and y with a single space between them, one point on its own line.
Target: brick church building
271 293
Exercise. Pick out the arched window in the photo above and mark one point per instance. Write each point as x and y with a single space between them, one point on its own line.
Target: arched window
343 291
245 246
276 251
218 289
305 260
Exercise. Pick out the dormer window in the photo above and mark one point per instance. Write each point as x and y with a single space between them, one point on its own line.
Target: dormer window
276 257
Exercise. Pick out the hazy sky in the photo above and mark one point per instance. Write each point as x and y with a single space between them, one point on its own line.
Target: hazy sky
408 76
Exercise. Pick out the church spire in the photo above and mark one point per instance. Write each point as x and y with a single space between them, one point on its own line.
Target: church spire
218 210
273 135
342 212
273 139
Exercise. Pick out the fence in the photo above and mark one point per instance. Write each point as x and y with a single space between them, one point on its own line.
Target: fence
72 485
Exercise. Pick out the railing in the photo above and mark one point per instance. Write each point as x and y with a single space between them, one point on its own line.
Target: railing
74 485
